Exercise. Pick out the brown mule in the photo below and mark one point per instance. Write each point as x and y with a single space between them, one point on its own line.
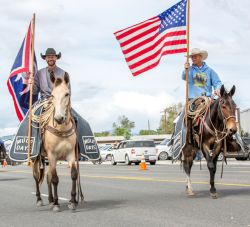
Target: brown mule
219 124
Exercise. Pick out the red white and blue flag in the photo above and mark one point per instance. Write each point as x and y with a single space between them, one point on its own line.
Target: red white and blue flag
145 43
18 82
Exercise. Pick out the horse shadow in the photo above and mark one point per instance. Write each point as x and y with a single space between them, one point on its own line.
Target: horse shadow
11 179
86 206
224 193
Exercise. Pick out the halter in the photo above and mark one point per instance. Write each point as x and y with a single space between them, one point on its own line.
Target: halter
216 132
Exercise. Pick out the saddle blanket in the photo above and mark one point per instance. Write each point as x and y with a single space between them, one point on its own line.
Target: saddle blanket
179 136
19 149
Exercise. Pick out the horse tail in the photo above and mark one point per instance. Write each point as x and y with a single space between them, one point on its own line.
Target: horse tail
39 169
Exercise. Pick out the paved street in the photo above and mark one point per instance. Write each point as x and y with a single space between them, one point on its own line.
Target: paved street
125 196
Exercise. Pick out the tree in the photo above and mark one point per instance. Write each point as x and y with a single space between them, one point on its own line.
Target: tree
166 122
244 134
147 132
123 127
102 134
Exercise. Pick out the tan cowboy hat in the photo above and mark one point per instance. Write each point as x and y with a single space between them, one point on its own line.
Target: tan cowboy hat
203 53
51 51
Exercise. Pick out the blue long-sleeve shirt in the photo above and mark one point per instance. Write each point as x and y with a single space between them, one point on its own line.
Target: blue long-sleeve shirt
201 80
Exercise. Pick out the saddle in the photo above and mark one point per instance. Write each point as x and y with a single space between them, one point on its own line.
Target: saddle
197 110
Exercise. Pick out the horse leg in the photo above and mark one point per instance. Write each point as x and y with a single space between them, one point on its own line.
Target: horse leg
74 175
188 163
49 182
38 174
211 158
55 181
50 198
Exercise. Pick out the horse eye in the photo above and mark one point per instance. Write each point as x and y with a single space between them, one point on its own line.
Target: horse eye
67 94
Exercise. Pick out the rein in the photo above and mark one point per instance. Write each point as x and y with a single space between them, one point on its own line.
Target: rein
215 132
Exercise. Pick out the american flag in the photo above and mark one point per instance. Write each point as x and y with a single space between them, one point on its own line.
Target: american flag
18 82
145 43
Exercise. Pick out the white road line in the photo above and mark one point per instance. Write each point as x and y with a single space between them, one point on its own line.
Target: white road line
45 195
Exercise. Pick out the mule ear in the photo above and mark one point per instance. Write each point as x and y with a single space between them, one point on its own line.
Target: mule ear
52 77
222 90
66 78
231 93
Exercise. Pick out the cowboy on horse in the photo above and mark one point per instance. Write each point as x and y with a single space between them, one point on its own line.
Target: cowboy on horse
211 122
58 132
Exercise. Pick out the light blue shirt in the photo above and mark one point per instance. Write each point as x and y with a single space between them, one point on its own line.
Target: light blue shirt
201 80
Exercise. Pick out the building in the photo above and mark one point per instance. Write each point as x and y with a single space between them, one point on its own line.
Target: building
117 139
245 120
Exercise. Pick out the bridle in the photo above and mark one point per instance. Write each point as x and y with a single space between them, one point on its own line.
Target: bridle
219 135
59 133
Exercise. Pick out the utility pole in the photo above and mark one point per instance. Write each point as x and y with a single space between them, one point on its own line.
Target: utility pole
165 119
148 125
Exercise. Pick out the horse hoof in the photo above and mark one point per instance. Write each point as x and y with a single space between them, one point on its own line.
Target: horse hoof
214 195
72 206
190 193
56 208
51 206
39 203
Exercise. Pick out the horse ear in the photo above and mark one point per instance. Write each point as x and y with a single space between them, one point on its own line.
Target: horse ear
222 90
66 78
52 77
231 93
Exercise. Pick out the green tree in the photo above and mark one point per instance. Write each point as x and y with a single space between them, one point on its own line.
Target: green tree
123 127
102 134
166 122
244 134
148 132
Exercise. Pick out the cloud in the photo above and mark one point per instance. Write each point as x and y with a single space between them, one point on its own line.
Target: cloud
7 131
102 85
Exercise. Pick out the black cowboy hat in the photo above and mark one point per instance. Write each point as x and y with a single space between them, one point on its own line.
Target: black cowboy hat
51 51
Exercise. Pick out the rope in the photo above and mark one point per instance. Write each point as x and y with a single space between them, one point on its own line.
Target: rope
44 117
201 105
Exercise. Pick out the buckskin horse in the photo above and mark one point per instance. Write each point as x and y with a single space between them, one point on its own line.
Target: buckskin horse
59 142
218 125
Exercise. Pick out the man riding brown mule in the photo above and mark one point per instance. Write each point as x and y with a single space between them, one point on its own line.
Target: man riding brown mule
59 141
217 125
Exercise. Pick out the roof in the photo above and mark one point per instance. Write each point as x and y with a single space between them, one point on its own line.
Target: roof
246 110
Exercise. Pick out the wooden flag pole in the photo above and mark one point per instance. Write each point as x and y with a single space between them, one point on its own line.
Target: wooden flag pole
31 87
187 60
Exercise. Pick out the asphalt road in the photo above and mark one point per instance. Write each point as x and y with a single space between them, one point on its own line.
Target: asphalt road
125 196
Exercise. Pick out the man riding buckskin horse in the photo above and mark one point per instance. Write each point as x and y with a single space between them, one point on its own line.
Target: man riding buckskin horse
43 85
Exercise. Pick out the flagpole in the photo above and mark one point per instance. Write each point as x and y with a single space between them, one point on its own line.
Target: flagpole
31 87
187 59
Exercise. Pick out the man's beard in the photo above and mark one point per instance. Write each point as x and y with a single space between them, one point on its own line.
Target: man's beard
51 63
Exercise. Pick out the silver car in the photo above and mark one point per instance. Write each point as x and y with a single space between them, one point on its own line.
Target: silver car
163 150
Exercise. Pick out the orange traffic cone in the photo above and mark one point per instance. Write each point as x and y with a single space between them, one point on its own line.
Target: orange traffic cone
143 165
4 163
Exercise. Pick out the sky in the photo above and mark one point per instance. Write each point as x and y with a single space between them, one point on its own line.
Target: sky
103 88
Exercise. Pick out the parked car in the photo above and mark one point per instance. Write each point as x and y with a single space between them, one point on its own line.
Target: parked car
243 154
163 150
131 151
106 152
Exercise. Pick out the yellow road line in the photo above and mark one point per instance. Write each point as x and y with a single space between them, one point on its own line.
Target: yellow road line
144 179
